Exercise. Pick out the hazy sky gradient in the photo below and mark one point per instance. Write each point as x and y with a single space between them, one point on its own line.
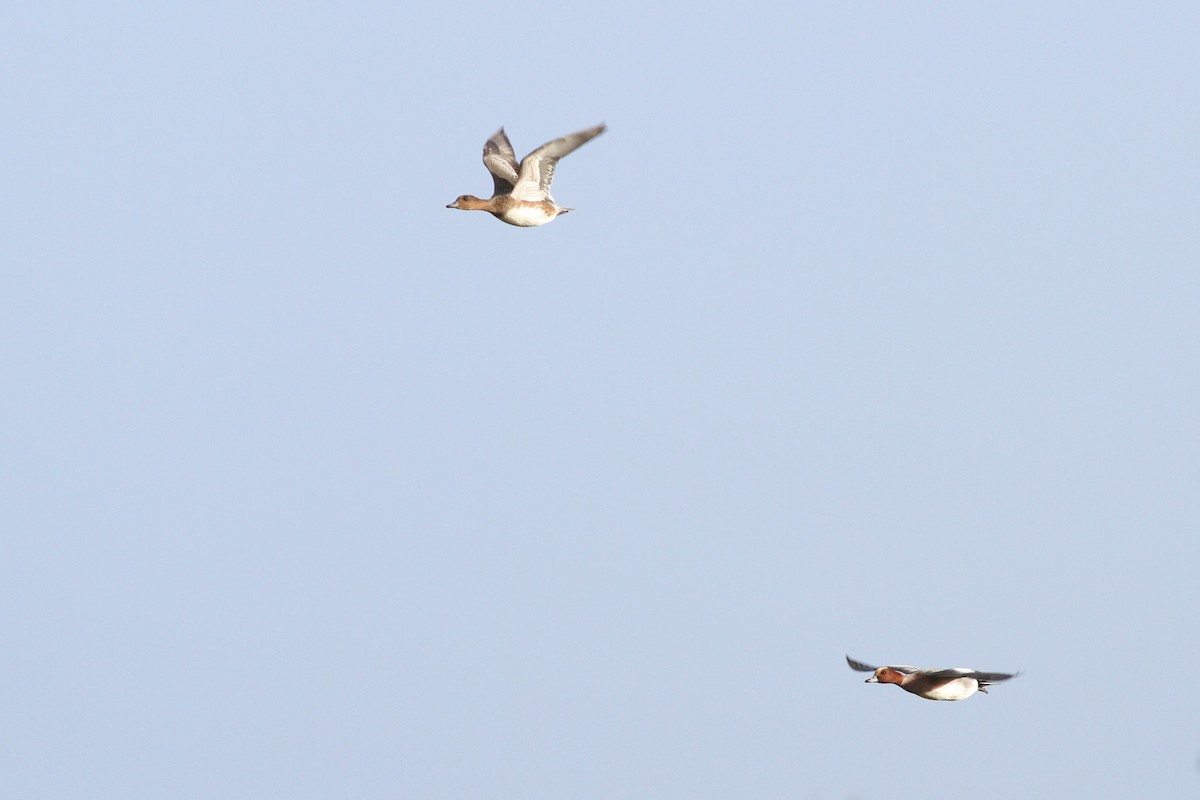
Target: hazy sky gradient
874 332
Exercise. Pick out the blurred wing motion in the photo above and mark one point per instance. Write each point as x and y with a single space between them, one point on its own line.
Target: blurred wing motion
858 666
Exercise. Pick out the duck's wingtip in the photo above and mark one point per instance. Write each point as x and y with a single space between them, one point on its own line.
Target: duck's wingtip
859 666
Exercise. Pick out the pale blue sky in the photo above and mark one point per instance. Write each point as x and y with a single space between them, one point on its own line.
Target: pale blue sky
875 332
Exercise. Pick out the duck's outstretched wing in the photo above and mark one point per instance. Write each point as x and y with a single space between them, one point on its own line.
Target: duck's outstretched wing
984 678
907 669
501 161
859 666
994 677
537 170
951 673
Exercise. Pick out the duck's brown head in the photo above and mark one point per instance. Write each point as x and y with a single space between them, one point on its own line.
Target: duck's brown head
467 202
886 675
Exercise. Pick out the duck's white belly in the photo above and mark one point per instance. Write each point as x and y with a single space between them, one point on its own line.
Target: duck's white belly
527 216
959 689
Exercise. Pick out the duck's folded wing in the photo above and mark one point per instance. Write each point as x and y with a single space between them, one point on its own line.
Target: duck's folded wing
995 677
501 161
